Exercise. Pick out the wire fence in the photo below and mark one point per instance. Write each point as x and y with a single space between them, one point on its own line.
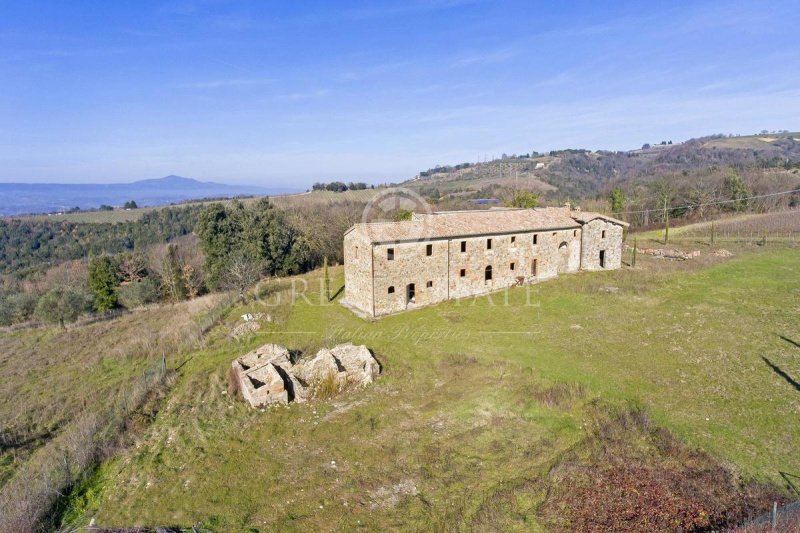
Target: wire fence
785 518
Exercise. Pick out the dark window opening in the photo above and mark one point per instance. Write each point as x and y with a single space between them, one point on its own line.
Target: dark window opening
429 250
603 235
463 272
512 266
513 241
488 244
574 233
429 284
487 274
602 258
563 246
390 254
533 267
554 234
463 246
391 290
535 239
411 293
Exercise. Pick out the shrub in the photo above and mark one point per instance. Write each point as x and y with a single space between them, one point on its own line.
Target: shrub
60 305
139 293
16 307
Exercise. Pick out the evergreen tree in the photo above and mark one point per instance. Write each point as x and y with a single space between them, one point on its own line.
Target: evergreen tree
103 282
617 200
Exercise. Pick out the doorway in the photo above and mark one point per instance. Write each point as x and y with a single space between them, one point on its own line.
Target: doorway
602 258
411 293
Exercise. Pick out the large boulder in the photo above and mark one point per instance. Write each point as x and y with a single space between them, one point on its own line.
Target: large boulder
263 386
268 353
323 364
359 364
267 375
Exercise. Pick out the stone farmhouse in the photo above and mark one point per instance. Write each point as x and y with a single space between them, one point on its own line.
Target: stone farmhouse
394 266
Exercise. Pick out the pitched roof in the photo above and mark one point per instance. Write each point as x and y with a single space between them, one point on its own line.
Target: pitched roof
452 224
585 216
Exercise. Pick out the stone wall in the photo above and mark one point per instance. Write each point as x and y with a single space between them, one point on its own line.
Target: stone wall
358 272
594 242
411 265
521 252
438 277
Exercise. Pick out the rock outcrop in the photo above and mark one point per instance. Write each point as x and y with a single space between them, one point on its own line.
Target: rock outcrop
268 375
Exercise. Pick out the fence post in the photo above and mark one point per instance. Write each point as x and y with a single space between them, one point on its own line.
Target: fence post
774 515
633 258
712 233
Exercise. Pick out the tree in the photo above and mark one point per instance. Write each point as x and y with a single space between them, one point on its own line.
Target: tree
103 282
132 267
617 200
257 233
172 282
737 191
326 278
240 273
130 204
63 304
524 199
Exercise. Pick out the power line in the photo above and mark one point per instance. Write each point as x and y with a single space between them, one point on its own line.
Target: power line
693 206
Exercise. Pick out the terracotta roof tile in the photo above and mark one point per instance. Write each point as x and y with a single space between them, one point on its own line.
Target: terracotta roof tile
452 224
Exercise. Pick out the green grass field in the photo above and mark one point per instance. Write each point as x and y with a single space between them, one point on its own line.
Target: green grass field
478 396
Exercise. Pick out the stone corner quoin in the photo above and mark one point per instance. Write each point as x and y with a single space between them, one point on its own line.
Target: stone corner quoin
394 266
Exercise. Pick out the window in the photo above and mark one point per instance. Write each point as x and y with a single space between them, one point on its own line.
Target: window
429 285
602 258
512 266
603 235
562 247
463 272
535 239
487 274
391 290
411 293
463 246
429 250
574 233
533 267
554 234
390 254
488 244
356 253
513 241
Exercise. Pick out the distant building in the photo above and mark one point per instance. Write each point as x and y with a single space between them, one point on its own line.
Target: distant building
485 201
394 266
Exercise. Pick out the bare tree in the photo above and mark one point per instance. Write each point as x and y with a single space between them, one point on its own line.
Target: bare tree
241 273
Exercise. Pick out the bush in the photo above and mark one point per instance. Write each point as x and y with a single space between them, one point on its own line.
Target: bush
139 293
60 305
16 307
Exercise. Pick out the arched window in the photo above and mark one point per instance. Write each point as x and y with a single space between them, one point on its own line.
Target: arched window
487 275
391 289
562 247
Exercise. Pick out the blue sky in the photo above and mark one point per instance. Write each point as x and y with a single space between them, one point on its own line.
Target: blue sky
287 93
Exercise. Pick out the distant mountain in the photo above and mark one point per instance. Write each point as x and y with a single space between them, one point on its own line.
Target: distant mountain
23 198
